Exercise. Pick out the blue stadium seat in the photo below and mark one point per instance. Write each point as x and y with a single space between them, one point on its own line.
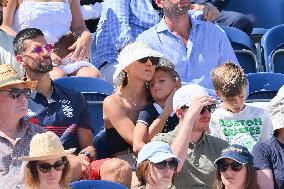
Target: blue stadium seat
264 14
244 49
95 90
96 184
264 86
100 143
272 43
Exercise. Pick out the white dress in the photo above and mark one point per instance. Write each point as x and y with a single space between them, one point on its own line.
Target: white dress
52 18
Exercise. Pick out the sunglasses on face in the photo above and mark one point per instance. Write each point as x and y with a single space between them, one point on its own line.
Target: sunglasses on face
235 166
16 92
46 167
38 49
154 60
211 108
162 165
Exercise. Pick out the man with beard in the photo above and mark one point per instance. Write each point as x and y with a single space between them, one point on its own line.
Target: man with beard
194 46
196 150
63 111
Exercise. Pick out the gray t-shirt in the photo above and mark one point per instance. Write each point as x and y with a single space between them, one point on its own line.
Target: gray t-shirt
198 170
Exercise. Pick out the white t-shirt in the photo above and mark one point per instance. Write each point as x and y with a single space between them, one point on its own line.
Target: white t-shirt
246 127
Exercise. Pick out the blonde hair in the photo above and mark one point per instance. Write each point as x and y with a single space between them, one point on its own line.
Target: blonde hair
229 79
31 179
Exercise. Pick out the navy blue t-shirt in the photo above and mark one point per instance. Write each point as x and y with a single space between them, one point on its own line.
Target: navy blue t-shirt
149 114
61 114
269 154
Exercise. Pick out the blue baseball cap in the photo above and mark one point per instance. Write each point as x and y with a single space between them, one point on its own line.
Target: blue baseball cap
237 153
155 151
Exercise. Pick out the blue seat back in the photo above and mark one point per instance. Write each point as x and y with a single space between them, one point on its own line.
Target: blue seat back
95 90
272 43
264 86
263 13
243 48
96 184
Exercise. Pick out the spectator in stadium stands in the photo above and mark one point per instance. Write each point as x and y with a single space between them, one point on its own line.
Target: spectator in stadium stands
235 169
196 150
269 154
234 121
159 116
226 18
137 63
194 46
156 166
58 109
15 132
120 23
47 163
55 19
7 54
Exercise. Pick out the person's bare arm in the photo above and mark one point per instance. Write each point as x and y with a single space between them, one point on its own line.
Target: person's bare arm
116 113
139 137
183 137
8 17
265 179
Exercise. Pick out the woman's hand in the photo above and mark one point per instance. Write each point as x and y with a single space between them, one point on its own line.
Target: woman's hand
82 47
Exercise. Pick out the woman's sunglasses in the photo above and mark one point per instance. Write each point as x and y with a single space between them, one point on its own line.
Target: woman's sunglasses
46 167
235 166
16 92
211 108
154 60
162 165
38 49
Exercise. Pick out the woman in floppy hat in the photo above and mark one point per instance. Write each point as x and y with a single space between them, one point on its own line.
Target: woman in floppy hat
156 166
137 62
235 169
48 166
16 132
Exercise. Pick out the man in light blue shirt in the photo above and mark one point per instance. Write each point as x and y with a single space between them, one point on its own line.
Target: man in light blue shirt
121 22
194 46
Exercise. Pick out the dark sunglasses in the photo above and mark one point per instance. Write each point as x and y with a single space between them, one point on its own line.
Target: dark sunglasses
235 166
16 92
46 167
154 60
38 49
162 165
211 108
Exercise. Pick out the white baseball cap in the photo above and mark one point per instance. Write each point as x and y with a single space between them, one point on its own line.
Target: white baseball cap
185 95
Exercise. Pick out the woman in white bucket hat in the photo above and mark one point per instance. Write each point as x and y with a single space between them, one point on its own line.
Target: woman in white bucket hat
136 66
47 166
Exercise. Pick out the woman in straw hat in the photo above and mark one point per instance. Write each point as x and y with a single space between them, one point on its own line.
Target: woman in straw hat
137 62
15 132
269 154
48 166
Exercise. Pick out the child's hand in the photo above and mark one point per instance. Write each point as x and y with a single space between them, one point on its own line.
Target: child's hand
169 101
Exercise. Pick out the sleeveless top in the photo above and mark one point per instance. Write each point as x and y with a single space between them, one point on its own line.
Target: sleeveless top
115 142
53 18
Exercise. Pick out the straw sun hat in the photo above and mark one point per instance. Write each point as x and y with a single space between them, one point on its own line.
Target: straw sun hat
8 76
46 146
131 53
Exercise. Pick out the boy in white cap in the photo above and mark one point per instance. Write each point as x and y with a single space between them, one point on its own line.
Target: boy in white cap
196 150
15 132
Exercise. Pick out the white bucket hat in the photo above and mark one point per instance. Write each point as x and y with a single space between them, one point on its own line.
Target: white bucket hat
185 95
46 146
129 55
276 109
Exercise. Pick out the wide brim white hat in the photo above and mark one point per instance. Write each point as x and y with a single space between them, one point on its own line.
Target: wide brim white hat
185 95
131 53
45 146
276 110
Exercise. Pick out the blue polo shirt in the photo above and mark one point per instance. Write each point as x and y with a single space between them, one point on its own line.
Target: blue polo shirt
62 113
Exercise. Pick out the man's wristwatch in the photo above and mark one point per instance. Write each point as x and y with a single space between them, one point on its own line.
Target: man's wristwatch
86 153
